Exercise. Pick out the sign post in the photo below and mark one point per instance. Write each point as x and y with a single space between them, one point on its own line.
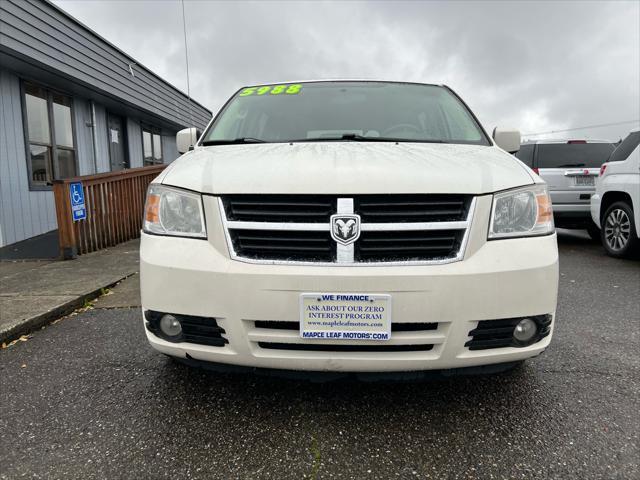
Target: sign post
78 207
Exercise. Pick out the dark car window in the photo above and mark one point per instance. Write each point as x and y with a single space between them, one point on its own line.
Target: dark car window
526 154
627 146
567 155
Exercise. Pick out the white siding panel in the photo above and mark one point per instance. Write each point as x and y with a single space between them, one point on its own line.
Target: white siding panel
169 149
84 140
102 140
134 139
23 213
12 215
32 220
7 222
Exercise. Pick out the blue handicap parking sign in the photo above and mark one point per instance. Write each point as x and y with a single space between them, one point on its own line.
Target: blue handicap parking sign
78 208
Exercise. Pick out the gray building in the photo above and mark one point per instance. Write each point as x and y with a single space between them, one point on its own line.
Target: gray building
72 104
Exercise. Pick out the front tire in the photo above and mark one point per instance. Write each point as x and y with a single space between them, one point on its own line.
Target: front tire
618 234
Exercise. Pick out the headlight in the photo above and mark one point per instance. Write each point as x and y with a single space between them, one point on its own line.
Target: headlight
170 211
521 213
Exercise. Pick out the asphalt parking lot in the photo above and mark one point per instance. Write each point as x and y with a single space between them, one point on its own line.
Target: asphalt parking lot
87 398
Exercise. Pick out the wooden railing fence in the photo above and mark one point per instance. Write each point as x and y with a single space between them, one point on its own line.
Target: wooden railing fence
114 208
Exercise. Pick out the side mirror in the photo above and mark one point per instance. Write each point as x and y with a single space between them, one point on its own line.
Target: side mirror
186 138
507 139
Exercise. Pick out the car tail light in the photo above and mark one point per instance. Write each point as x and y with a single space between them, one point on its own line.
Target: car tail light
576 141
536 170
603 168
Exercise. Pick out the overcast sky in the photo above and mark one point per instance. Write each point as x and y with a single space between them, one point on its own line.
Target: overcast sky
537 66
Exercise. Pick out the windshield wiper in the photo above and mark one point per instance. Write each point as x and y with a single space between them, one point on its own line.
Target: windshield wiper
361 138
570 165
240 140
347 136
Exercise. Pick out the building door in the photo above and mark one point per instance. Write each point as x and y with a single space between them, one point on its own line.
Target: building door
117 145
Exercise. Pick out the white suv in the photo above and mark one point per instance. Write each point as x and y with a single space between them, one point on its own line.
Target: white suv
616 204
348 226
570 168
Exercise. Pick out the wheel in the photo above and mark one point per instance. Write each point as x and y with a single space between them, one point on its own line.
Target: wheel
618 234
594 232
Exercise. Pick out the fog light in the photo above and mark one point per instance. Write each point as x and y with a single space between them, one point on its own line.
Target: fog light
525 330
170 326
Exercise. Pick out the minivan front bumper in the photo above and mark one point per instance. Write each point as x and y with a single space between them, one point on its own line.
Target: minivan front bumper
500 279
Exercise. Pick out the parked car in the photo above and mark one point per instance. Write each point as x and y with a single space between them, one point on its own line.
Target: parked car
570 168
349 226
615 206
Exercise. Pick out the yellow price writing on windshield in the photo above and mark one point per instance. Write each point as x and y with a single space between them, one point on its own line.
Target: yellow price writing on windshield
272 90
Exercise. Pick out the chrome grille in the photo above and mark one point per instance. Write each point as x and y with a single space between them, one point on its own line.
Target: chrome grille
394 229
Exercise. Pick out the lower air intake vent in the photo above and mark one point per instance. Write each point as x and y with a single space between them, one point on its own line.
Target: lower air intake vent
345 348
395 327
198 330
499 333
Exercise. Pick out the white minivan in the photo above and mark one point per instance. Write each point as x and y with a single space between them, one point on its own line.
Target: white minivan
349 226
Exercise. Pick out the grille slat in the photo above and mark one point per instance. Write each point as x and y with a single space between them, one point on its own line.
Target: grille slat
365 204
403 248
508 331
240 203
205 340
275 238
202 330
293 248
421 239
431 213
276 213
490 343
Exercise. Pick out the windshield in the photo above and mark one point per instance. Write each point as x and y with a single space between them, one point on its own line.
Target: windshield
356 111
561 155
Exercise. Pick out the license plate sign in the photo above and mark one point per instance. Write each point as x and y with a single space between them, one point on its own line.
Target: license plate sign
345 316
586 181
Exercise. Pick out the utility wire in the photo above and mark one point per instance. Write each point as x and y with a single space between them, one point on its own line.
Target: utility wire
186 57
583 128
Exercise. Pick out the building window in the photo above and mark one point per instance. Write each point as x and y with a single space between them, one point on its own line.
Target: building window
49 134
151 146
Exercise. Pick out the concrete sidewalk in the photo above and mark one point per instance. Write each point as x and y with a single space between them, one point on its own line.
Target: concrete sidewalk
33 293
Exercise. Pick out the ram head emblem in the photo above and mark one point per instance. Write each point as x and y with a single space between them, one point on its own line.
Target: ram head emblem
345 229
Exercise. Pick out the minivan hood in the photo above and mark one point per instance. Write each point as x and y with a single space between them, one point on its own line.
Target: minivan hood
347 168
